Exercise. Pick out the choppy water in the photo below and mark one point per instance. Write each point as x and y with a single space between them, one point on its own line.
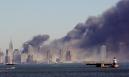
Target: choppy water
62 70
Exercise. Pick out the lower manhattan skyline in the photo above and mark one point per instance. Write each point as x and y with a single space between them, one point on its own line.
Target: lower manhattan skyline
21 20
64 38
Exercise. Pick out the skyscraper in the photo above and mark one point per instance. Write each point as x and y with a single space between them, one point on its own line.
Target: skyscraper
7 59
49 57
103 54
61 54
30 58
9 54
11 45
68 55
16 56
1 57
24 57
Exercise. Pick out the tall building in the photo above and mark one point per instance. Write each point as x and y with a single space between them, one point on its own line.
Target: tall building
103 54
1 57
24 57
7 58
30 59
9 54
49 57
68 55
11 45
61 54
16 56
33 54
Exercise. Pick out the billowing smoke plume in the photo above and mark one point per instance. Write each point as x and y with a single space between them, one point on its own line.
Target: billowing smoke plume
110 29
112 25
36 42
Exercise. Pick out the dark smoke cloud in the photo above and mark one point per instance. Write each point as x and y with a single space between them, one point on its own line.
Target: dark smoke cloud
110 28
76 33
36 42
115 24
111 25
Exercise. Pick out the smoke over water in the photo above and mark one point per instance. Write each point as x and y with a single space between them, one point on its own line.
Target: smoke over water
110 29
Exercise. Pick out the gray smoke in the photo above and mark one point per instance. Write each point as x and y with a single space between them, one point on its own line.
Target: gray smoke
36 42
111 29
111 25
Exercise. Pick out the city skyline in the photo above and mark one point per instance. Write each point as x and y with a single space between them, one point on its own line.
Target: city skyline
21 20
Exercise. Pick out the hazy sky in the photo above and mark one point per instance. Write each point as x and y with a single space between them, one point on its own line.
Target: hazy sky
20 20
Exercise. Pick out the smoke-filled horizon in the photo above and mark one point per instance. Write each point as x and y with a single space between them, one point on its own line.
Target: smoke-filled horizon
110 29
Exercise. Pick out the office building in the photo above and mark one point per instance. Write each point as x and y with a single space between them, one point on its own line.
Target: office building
16 56
1 57
68 55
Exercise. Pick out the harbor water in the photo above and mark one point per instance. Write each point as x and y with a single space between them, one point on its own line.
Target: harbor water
61 70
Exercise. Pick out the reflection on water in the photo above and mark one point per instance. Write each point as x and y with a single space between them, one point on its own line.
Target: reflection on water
61 70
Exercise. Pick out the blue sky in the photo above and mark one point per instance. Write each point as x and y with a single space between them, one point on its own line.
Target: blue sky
20 20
